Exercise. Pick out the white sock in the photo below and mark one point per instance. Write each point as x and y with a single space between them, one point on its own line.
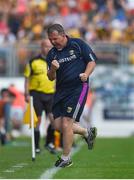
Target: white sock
65 158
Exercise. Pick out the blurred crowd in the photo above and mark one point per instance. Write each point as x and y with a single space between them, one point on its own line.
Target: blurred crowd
92 20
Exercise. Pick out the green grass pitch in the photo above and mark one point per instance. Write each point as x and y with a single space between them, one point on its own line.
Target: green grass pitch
112 158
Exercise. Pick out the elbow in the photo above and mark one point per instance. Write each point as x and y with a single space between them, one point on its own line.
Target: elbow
94 64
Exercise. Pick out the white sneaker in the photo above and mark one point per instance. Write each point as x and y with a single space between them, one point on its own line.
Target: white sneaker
37 150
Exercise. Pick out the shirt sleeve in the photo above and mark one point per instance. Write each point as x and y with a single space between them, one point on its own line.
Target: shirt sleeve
27 70
87 53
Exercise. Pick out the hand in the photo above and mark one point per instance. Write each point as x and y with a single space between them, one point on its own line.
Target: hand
55 65
83 77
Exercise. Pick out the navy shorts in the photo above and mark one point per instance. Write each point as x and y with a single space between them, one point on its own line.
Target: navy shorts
42 102
72 103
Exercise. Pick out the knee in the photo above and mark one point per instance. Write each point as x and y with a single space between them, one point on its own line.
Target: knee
67 124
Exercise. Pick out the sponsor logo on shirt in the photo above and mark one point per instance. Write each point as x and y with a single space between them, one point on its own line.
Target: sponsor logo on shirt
67 59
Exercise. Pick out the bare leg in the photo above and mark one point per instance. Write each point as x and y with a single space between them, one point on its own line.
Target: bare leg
58 124
67 130
88 134
77 129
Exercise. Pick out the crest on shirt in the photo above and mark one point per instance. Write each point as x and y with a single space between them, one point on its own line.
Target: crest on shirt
69 109
71 52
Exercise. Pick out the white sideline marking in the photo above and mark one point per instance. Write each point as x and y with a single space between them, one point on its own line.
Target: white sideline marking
48 174
9 170
15 167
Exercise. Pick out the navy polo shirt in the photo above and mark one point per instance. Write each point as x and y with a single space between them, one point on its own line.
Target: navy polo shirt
73 60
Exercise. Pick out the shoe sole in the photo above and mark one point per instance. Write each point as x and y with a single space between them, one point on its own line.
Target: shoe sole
91 145
69 165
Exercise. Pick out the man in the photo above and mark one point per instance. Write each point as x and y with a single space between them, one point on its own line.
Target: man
71 61
42 89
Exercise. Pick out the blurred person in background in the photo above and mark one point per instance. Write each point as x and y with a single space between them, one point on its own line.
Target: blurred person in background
17 110
6 101
71 61
7 37
42 89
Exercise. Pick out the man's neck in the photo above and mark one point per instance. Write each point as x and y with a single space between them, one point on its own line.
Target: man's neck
64 43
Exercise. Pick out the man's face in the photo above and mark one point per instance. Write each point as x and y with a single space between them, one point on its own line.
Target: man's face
57 40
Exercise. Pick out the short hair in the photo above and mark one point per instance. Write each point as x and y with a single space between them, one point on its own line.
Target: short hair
55 27
3 90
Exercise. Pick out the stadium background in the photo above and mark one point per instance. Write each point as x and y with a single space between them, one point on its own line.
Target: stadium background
107 25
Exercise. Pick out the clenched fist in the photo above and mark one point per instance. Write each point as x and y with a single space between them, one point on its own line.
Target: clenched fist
83 77
55 65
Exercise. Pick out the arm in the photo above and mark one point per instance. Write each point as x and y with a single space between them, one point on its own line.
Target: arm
26 87
89 69
52 71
